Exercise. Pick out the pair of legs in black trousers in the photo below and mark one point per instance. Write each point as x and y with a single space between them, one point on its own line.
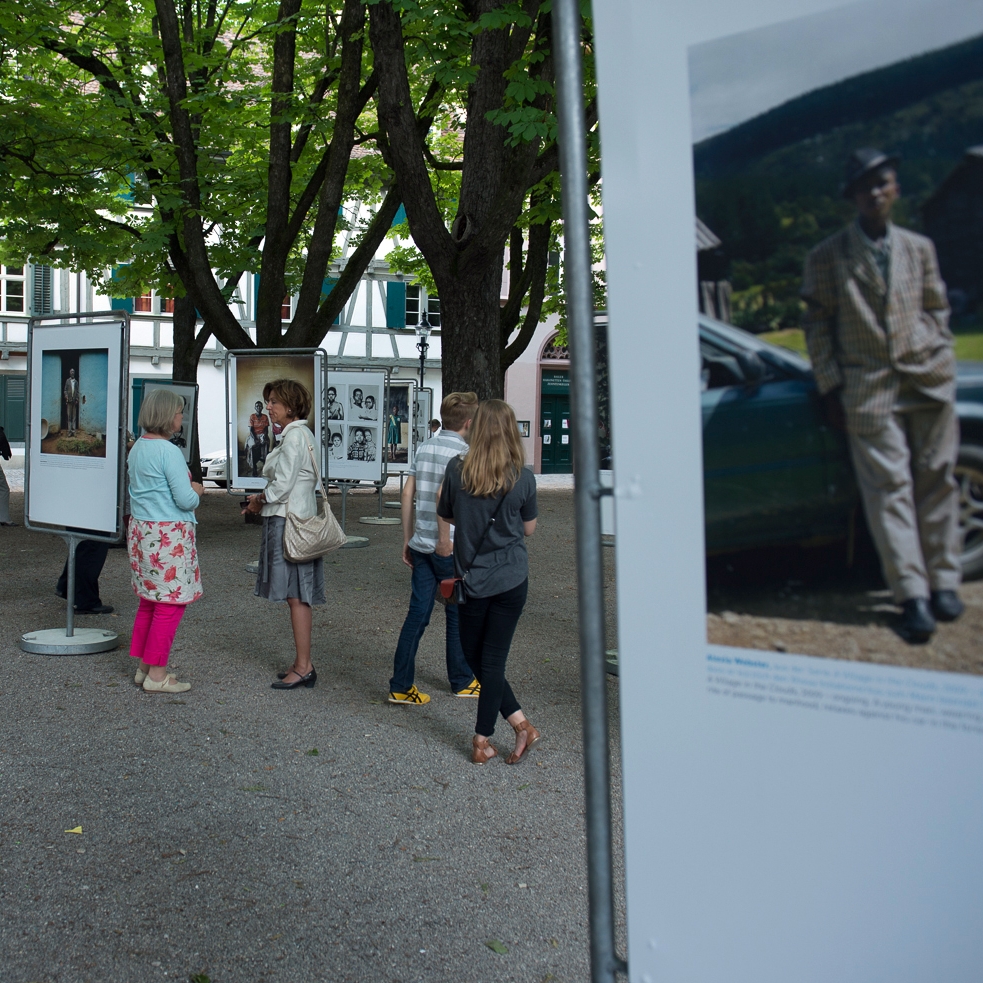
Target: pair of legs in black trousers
487 626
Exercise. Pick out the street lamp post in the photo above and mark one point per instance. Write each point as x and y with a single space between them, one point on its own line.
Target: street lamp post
423 330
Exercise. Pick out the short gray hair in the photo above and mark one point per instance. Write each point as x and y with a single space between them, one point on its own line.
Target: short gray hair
158 409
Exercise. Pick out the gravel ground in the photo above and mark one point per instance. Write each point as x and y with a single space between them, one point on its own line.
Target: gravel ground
314 835
807 601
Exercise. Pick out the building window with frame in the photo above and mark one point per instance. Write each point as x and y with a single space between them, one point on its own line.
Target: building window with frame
12 280
285 309
416 296
144 303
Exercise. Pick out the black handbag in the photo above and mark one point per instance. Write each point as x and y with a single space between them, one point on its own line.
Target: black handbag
452 590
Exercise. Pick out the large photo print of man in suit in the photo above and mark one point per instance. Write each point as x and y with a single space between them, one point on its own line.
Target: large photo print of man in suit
827 181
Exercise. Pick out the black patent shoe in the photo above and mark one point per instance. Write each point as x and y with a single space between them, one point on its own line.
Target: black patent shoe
309 680
946 605
917 624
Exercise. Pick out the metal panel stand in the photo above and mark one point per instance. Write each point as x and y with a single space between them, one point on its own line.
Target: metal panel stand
604 961
351 542
55 641
398 503
380 519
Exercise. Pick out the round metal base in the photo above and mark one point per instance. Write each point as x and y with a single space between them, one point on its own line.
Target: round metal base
355 542
54 641
392 505
380 520
253 567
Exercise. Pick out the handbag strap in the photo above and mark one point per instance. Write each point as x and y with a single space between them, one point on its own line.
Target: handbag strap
484 535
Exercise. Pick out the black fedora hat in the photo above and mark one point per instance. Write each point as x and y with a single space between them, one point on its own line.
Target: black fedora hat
861 163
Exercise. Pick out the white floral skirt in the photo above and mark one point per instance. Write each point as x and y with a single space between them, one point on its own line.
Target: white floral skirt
164 561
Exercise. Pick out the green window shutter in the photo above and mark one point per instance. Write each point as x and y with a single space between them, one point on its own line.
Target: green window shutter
137 402
400 217
327 285
13 405
395 305
122 304
42 281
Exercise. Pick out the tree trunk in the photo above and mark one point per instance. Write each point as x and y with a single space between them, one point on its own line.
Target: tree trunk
471 350
187 351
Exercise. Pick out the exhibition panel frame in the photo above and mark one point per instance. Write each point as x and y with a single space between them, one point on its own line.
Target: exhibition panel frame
75 460
249 433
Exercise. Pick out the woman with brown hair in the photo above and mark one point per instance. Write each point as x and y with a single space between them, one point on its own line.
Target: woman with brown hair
490 499
289 472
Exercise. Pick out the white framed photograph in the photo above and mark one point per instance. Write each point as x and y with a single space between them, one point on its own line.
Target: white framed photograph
353 413
189 393
779 808
77 385
252 435
399 435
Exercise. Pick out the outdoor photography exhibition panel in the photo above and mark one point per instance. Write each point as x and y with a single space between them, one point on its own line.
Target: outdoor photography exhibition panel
252 435
787 817
355 421
189 393
74 436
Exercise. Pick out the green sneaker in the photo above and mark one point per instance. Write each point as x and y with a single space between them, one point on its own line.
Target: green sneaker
412 696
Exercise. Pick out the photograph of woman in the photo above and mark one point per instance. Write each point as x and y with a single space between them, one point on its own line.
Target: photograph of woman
291 481
368 410
161 539
489 497
394 432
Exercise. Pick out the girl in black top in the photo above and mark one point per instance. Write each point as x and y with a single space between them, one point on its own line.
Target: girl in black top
490 499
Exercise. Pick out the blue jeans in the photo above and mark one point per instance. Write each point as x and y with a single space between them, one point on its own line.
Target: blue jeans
428 570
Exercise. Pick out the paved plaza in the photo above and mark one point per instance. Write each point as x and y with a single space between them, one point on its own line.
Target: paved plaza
243 834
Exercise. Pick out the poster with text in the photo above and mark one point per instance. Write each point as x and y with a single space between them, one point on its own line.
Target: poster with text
252 434
353 413
76 380
189 393
803 786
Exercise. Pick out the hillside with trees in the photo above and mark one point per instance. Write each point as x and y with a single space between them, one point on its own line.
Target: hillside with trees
770 187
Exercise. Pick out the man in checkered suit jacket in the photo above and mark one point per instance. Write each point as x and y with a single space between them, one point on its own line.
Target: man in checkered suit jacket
878 336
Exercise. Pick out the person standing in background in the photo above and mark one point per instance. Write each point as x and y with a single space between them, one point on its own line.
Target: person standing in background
419 545
71 397
6 454
877 328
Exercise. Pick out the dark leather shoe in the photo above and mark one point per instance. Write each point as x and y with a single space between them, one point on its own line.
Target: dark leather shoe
96 609
293 679
917 624
946 605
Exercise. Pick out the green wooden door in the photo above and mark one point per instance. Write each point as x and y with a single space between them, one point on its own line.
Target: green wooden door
555 434
13 405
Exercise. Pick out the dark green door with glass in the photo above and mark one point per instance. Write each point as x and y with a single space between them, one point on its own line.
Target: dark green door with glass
554 433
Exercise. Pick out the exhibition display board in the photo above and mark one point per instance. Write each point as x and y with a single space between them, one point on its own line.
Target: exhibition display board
251 434
401 415
355 424
188 391
786 817
77 383
423 415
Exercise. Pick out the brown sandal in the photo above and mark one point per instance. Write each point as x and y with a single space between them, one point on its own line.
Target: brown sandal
481 751
533 737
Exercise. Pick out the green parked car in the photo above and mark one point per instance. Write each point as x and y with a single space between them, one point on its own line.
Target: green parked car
773 471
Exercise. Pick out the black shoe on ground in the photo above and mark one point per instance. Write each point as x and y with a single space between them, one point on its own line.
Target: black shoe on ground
917 624
61 594
96 609
946 605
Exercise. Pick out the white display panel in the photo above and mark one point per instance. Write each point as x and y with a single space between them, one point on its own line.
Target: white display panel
786 817
77 375
400 430
355 421
188 391
252 435
423 416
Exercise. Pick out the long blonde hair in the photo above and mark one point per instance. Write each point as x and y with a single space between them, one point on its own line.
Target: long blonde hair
495 457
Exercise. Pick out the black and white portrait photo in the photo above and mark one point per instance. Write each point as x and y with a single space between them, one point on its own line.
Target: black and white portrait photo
333 408
361 443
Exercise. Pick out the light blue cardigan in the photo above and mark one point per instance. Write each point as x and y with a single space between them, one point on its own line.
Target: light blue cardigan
160 488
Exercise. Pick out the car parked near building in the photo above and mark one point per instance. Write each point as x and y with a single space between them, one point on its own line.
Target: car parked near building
775 473
214 467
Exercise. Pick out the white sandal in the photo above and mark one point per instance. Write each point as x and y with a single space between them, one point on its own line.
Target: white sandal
168 684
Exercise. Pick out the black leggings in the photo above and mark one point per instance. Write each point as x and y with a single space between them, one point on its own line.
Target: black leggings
487 627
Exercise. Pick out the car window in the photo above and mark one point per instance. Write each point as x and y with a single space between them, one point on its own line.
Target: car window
719 369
